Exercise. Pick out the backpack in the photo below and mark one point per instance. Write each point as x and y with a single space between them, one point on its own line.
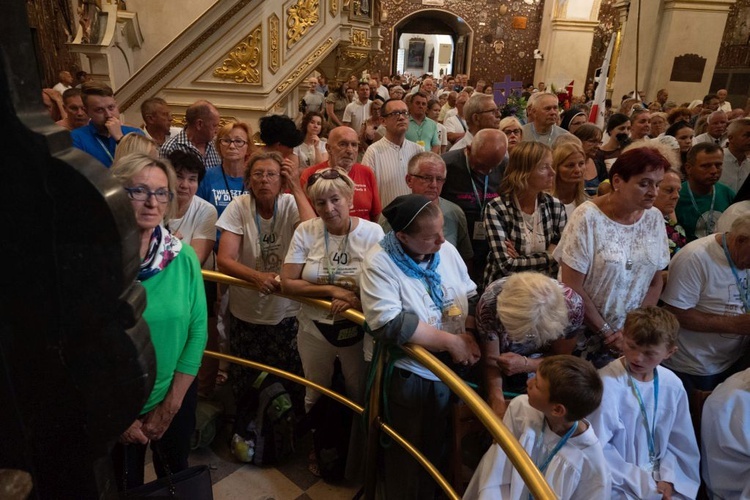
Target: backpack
264 427
332 424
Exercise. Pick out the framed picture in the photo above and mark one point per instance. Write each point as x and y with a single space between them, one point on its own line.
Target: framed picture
415 56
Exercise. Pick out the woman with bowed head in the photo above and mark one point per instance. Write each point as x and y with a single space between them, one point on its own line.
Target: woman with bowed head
176 315
569 163
596 171
312 151
613 251
325 260
524 223
511 127
520 319
257 229
415 288
666 201
280 135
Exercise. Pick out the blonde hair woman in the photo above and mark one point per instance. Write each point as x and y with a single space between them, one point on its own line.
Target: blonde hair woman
569 163
513 130
524 223
135 143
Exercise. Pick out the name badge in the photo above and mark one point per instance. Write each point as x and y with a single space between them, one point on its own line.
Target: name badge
421 144
479 232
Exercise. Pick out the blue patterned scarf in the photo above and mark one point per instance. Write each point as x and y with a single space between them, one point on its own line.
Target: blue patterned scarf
428 276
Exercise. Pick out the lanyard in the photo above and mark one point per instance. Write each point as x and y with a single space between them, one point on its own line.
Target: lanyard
743 290
483 201
710 219
264 246
106 150
231 198
342 249
650 432
558 446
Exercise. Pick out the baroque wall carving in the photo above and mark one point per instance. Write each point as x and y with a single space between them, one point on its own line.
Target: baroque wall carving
359 38
491 22
306 66
735 45
274 55
333 7
241 64
301 17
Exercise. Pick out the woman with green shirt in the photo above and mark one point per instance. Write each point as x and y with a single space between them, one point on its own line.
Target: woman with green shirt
176 315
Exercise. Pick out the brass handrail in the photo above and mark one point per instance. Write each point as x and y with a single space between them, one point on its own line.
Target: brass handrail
530 474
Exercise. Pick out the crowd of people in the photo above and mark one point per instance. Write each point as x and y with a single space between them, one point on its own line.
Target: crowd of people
595 278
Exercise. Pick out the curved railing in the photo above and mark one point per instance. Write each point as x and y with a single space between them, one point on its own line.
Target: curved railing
516 454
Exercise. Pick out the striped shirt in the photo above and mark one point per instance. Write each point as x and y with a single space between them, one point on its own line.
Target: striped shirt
390 163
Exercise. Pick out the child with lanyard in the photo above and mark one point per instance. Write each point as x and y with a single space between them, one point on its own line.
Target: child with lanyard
644 423
550 424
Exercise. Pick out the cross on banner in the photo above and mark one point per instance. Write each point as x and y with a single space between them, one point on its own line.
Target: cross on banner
503 89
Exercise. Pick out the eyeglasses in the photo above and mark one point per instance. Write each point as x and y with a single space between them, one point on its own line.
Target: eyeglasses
515 131
238 143
324 174
494 110
271 176
396 114
141 193
429 179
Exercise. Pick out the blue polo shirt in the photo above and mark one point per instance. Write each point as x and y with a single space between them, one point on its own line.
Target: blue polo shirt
99 146
426 134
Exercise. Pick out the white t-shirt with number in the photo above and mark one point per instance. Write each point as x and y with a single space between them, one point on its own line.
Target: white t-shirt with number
345 257
264 253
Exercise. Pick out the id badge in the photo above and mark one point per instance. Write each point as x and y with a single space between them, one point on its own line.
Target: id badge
479 232
655 470
421 144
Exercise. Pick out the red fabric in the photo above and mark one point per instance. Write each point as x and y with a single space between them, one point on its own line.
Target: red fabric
366 198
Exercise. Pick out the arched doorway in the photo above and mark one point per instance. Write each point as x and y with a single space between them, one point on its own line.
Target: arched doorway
431 41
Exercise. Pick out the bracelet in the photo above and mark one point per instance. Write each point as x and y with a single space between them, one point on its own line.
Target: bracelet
605 331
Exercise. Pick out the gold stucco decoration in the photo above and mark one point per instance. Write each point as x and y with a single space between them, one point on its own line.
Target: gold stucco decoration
333 6
309 63
242 62
359 38
274 58
302 16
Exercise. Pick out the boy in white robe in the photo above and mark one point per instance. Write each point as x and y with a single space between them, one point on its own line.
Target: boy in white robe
650 457
550 424
725 438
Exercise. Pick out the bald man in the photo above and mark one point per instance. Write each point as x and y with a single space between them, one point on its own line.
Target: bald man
202 122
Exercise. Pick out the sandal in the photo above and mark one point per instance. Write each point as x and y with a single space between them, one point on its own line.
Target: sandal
221 378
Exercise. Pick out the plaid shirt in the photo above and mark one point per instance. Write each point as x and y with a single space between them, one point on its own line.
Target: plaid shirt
182 143
503 220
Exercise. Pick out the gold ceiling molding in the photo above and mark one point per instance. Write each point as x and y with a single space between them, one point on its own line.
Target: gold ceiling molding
274 57
359 38
311 61
354 55
241 64
184 54
334 7
302 16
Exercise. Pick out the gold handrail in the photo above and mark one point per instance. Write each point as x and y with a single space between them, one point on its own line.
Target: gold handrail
515 452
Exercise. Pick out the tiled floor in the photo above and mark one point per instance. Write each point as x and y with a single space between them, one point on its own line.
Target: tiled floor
291 480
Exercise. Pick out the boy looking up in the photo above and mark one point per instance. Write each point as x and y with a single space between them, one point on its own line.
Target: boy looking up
550 424
643 422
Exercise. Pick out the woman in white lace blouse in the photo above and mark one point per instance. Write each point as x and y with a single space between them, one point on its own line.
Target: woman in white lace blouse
613 250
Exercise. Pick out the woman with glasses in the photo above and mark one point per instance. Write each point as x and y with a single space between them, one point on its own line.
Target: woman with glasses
569 164
596 171
257 229
613 251
325 261
511 127
524 223
312 151
176 315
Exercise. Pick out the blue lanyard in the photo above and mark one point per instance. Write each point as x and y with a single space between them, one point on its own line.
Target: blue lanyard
106 150
650 432
558 446
743 290
342 248
710 218
483 201
263 247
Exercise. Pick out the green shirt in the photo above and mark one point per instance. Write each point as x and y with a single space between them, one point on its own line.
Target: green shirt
176 315
426 134
688 216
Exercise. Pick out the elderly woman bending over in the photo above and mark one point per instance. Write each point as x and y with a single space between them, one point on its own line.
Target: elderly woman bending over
176 315
519 320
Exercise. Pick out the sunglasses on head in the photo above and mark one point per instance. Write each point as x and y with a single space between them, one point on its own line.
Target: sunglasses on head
325 174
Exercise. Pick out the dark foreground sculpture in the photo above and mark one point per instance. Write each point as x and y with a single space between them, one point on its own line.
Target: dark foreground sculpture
76 360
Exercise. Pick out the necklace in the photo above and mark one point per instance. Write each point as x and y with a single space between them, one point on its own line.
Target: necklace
340 257
611 203
708 217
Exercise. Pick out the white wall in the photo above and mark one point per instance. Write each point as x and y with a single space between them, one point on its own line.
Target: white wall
432 42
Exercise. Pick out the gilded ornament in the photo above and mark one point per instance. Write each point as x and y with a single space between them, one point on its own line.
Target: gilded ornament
302 16
274 57
359 38
242 62
306 66
333 6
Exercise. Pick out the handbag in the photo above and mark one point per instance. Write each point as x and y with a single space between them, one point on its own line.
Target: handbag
342 333
193 483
